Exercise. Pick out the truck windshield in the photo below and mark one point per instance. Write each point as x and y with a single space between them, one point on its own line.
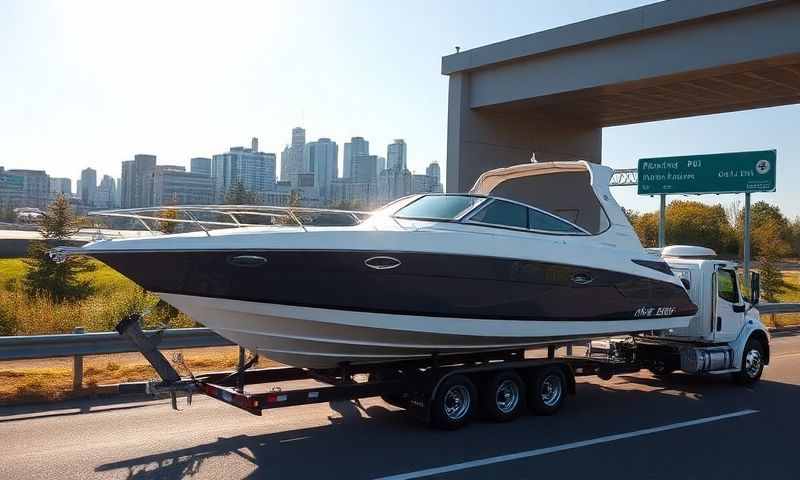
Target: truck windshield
439 207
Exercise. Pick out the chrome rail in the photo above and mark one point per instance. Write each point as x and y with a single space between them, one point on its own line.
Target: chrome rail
234 212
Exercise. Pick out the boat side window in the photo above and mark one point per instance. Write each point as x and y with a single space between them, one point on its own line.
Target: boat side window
726 286
543 221
439 207
504 214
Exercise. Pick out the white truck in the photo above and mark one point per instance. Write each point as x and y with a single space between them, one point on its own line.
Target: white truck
725 337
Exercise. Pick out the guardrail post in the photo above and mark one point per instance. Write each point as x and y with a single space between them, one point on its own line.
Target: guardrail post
77 366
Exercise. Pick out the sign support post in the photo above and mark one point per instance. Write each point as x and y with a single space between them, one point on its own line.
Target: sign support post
746 249
662 222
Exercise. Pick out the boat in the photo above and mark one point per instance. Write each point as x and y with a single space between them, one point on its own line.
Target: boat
533 254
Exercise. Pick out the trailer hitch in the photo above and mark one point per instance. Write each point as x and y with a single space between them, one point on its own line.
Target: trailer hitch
171 381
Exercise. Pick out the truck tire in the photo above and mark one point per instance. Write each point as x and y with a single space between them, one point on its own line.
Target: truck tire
547 390
454 403
503 396
752 363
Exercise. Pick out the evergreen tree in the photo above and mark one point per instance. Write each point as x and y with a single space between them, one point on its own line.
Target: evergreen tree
47 277
237 194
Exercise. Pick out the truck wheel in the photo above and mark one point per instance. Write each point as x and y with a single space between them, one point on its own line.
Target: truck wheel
503 396
454 403
547 390
752 363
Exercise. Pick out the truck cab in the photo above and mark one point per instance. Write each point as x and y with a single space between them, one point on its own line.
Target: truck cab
725 329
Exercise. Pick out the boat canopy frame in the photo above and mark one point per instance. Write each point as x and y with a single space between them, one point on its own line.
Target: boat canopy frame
155 214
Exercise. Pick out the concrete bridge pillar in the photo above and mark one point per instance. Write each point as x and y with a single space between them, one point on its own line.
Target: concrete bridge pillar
485 138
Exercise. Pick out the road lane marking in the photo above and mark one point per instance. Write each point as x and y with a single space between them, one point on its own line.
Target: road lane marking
560 448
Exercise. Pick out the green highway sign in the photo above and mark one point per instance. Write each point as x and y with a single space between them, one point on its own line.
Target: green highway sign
738 172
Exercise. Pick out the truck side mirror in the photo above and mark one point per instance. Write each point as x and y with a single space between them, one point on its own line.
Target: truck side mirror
755 288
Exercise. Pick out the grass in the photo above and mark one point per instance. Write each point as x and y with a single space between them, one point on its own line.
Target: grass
37 381
114 297
790 295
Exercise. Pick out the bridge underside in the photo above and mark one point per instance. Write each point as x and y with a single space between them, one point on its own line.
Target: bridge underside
552 92
758 84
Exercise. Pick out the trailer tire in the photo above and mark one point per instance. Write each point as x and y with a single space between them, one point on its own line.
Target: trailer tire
454 403
503 396
753 359
547 390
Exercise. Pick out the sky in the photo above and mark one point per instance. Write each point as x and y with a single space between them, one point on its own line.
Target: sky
91 83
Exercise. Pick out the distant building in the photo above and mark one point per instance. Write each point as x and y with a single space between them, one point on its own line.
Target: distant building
106 193
137 181
396 155
434 172
381 164
292 156
356 146
364 169
201 165
24 188
60 186
173 185
88 190
394 184
322 159
363 196
254 170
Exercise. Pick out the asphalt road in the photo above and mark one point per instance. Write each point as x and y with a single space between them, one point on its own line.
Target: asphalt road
633 425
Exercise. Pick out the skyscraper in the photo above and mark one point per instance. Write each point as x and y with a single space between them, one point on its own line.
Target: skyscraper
173 185
434 172
396 155
137 181
322 159
292 156
201 165
60 186
381 164
106 193
356 146
254 170
365 169
88 186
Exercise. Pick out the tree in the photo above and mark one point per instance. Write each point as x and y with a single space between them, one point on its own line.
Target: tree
165 226
646 227
46 276
761 214
767 238
237 194
794 236
695 223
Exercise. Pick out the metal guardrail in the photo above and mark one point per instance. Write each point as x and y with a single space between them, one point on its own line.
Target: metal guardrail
773 308
80 344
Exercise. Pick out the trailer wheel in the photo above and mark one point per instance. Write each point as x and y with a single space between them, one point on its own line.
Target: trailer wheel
503 396
454 403
547 390
752 363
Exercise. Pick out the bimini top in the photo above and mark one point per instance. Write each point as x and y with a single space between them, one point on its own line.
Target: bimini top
489 180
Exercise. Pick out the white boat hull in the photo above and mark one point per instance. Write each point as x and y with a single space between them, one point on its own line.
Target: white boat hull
324 338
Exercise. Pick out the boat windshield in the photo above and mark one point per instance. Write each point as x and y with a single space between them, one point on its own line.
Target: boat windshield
439 207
